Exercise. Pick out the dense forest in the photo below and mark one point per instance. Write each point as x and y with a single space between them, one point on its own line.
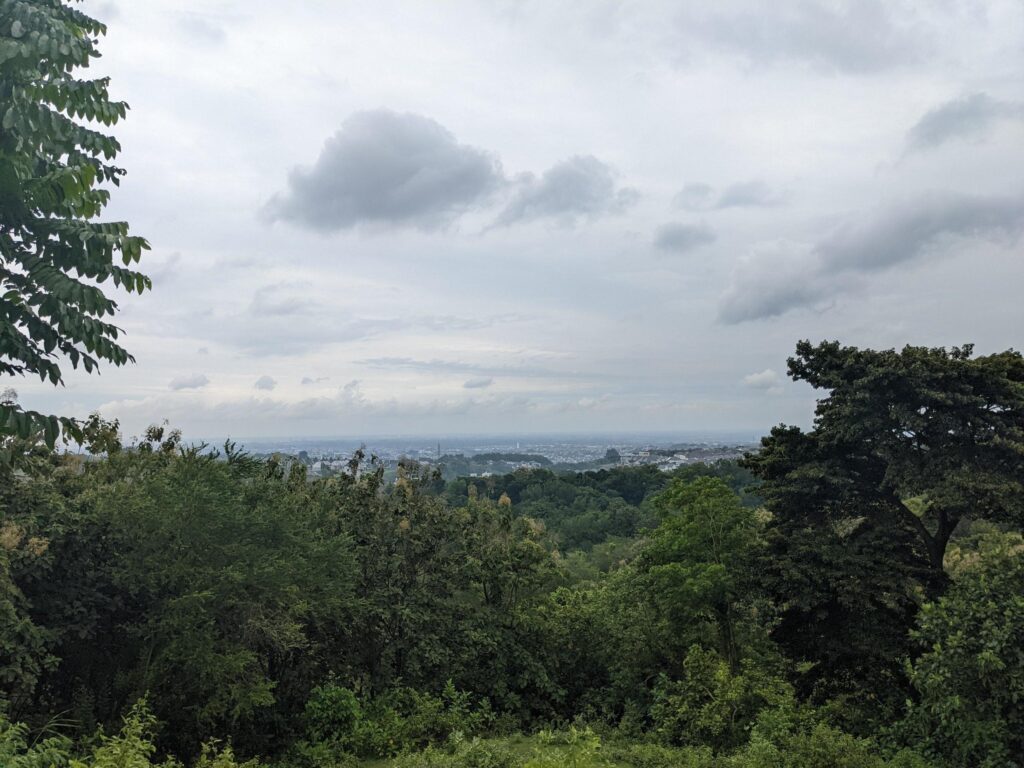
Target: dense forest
847 595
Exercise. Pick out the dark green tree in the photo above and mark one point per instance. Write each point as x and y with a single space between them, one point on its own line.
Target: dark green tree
921 438
55 173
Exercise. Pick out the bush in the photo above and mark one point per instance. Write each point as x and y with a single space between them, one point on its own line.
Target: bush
17 752
460 753
818 747
710 705
575 748
338 723
660 756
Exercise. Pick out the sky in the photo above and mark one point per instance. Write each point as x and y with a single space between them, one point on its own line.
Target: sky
530 216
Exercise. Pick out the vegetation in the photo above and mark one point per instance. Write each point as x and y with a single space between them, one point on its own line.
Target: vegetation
53 252
851 596
325 622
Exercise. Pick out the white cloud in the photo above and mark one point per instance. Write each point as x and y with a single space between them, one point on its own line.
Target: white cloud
767 380
193 381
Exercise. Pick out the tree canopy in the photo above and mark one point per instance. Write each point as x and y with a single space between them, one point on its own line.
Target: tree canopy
55 163
925 437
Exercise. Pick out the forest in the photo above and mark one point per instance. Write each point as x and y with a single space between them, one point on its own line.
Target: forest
849 594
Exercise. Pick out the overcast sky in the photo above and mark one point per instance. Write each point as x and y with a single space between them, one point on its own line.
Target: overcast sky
542 216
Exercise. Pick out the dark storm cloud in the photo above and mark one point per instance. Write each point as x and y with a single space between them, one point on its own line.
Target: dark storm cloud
680 238
850 36
775 282
968 117
579 186
384 167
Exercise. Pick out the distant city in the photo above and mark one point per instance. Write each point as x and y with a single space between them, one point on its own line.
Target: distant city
479 455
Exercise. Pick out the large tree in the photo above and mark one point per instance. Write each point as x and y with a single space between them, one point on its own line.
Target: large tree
54 170
921 438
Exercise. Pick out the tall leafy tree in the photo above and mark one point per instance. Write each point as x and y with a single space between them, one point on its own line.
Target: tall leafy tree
56 165
922 438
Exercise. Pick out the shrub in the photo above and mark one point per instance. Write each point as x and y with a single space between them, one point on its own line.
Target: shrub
711 705
17 752
817 747
332 714
575 748
460 753
337 722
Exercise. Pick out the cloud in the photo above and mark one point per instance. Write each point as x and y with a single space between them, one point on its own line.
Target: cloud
385 167
458 366
579 186
909 230
281 300
751 194
201 29
264 383
195 381
772 280
835 36
681 238
767 380
748 194
480 383
105 12
351 394
971 116
308 380
776 280
694 197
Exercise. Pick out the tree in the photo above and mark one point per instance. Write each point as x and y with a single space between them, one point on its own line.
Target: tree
698 561
923 437
53 253
970 679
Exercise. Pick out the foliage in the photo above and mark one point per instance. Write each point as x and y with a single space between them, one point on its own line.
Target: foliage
17 751
714 706
920 439
575 748
53 254
460 752
312 622
698 561
845 596
970 679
